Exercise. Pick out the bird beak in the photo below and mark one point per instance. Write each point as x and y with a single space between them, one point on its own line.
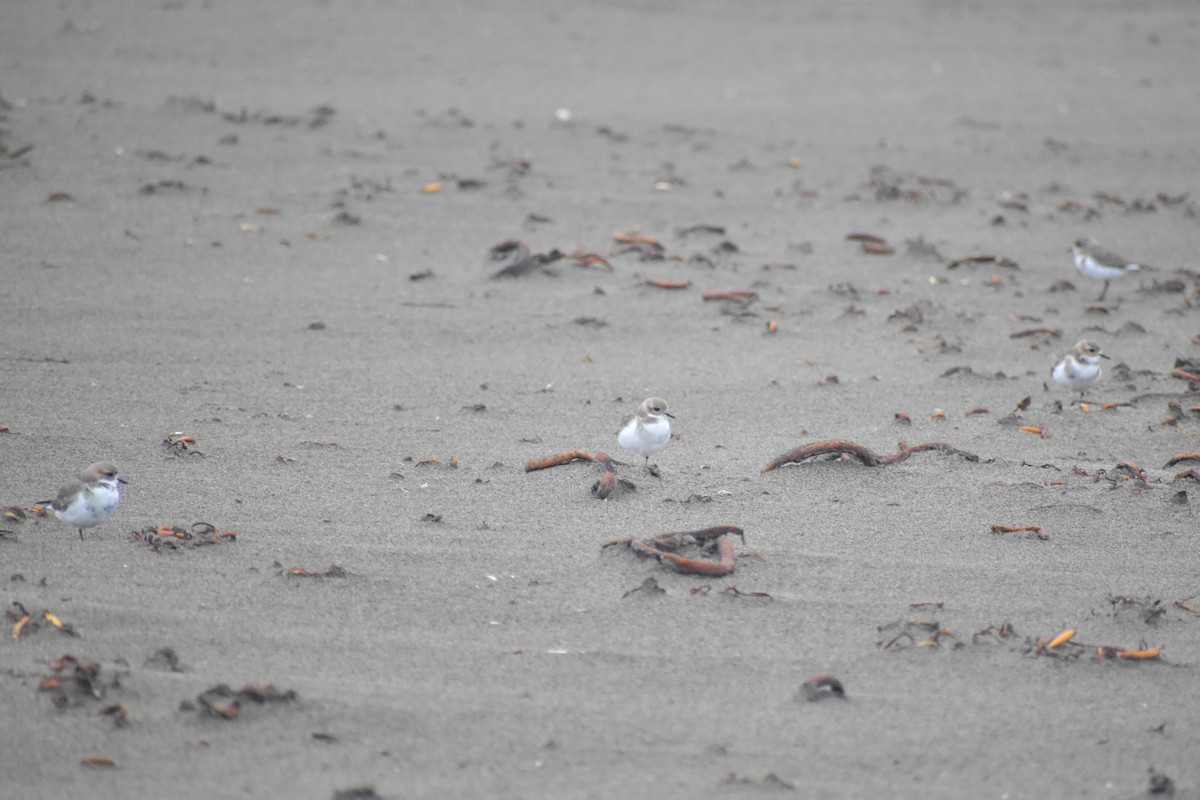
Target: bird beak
121 480
669 414
1106 355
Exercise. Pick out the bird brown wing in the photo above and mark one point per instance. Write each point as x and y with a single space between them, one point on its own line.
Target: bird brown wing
1108 257
65 494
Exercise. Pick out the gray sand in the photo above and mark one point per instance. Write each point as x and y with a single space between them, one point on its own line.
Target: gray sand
482 645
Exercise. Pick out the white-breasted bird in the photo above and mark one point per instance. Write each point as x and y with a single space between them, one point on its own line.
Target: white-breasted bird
1099 264
1079 370
89 500
647 430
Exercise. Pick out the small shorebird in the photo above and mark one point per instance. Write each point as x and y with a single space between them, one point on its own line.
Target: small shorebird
647 430
89 500
1079 369
1099 264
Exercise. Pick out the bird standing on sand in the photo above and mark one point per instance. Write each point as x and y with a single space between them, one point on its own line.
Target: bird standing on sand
1099 264
89 500
647 430
1079 369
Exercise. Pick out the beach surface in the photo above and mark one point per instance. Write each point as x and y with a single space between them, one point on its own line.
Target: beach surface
274 228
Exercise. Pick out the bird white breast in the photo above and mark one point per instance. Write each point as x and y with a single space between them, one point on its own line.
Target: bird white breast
1075 374
645 438
91 507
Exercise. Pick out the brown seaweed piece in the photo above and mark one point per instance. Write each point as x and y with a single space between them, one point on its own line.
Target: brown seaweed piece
860 453
558 459
1179 458
661 547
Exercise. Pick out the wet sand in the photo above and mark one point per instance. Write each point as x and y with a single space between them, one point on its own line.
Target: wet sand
219 221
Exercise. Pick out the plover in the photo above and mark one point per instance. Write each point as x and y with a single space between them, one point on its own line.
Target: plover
89 500
1099 264
1079 369
647 430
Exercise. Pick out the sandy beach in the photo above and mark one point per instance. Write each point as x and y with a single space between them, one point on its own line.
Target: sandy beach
274 229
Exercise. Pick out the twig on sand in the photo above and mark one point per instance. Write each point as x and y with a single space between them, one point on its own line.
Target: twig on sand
743 296
662 546
607 485
1036 530
1179 458
1184 374
860 453
558 459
